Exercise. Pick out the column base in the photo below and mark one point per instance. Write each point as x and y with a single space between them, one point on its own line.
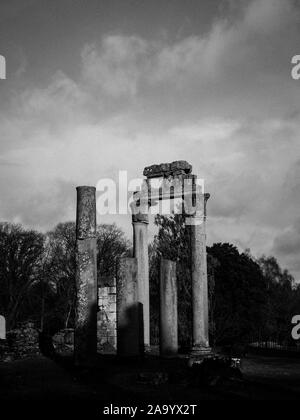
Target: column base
199 350
147 349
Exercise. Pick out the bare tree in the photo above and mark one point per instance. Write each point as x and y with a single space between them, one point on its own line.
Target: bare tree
20 263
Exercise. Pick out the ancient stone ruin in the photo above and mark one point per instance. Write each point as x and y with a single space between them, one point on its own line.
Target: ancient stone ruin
2 328
131 300
107 315
20 343
85 344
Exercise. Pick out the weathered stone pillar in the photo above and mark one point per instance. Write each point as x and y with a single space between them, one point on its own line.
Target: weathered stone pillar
168 309
130 337
2 328
85 346
199 281
140 252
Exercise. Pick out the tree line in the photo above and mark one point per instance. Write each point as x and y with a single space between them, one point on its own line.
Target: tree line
248 297
37 272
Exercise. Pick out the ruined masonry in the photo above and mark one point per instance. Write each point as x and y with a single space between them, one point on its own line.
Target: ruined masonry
124 318
107 315
85 337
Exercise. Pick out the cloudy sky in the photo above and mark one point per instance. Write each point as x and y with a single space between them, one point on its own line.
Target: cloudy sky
94 87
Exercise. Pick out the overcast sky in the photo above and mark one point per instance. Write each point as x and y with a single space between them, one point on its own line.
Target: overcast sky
94 87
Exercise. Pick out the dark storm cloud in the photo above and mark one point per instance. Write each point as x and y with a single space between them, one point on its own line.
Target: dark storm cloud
132 92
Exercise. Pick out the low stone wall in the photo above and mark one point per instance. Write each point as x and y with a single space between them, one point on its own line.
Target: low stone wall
63 340
20 343
23 341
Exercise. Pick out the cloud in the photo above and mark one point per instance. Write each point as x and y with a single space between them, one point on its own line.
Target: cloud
244 63
117 66
287 246
288 243
39 207
223 100
11 8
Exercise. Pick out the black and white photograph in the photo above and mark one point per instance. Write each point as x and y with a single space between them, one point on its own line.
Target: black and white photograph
149 206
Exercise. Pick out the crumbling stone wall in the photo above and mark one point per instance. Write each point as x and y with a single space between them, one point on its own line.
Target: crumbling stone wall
20 343
106 320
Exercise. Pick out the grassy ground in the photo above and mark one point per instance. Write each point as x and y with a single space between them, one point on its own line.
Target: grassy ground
112 381
281 373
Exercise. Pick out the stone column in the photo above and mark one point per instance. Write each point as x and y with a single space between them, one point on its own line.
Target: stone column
85 345
130 337
199 281
140 252
2 328
168 309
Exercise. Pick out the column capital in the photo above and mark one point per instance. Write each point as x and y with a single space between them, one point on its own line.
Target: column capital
140 218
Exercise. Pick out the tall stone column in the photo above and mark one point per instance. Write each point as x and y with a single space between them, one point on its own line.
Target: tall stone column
130 337
199 281
168 309
2 328
85 345
140 252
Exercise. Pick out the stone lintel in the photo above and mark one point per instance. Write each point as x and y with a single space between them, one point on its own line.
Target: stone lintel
168 169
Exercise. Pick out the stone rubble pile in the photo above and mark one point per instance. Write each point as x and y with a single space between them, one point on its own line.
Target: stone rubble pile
63 341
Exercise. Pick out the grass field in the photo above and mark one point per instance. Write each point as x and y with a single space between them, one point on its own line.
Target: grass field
41 379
